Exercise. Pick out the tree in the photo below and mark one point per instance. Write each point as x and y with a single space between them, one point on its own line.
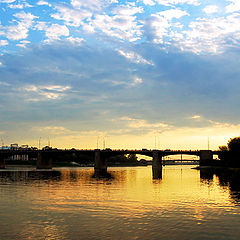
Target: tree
234 145
230 154
223 148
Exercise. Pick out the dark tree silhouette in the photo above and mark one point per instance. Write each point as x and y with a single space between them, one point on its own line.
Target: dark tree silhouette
230 154
234 144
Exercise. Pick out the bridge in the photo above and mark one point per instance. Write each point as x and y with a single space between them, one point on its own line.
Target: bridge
45 157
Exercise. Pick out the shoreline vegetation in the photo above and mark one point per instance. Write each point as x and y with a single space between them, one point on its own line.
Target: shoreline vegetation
230 155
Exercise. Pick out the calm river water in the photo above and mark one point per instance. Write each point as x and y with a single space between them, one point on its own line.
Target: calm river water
68 204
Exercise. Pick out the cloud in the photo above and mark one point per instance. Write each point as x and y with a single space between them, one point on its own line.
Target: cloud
53 130
134 57
41 26
158 25
23 43
55 31
16 6
121 24
174 87
210 35
20 6
233 7
42 93
3 42
71 16
149 2
7 1
4 83
42 2
92 4
20 30
76 41
196 117
137 80
173 13
177 2
211 9
143 124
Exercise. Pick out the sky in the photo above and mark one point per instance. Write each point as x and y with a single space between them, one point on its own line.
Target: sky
121 74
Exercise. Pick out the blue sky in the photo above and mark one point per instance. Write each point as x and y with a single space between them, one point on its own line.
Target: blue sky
144 73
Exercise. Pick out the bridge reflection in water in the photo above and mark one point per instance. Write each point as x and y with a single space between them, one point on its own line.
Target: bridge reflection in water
70 204
226 178
44 158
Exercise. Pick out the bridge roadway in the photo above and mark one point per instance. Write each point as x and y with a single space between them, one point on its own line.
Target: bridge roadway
45 157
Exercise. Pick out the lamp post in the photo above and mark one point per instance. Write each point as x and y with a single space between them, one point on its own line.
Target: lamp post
39 143
97 141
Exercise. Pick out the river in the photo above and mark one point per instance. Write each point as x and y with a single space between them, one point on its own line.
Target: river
69 204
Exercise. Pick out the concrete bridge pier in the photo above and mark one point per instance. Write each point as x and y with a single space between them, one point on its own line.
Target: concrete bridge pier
206 157
100 165
157 165
44 161
2 161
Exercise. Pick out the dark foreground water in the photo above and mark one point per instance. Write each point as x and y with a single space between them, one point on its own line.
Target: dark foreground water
69 204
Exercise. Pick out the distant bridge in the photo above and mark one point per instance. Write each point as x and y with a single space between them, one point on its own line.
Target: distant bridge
45 157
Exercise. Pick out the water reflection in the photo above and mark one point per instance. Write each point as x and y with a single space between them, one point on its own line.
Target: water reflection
18 176
227 178
69 203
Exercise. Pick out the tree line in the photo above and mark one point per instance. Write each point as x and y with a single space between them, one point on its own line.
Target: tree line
230 154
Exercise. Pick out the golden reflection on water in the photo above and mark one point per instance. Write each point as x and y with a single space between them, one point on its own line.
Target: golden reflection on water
69 202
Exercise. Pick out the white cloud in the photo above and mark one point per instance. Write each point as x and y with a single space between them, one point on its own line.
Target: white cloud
73 17
3 42
233 7
160 24
196 117
55 31
173 13
127 10
7 1
205 35
211 9
136 81
157 27
75 41
176 2
41 93
40 26
57 88
42 2
144 124
23 43
20 6
149 2
16 32
53 130
92 4
134 57
19 31
16 6
123 25
26 18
